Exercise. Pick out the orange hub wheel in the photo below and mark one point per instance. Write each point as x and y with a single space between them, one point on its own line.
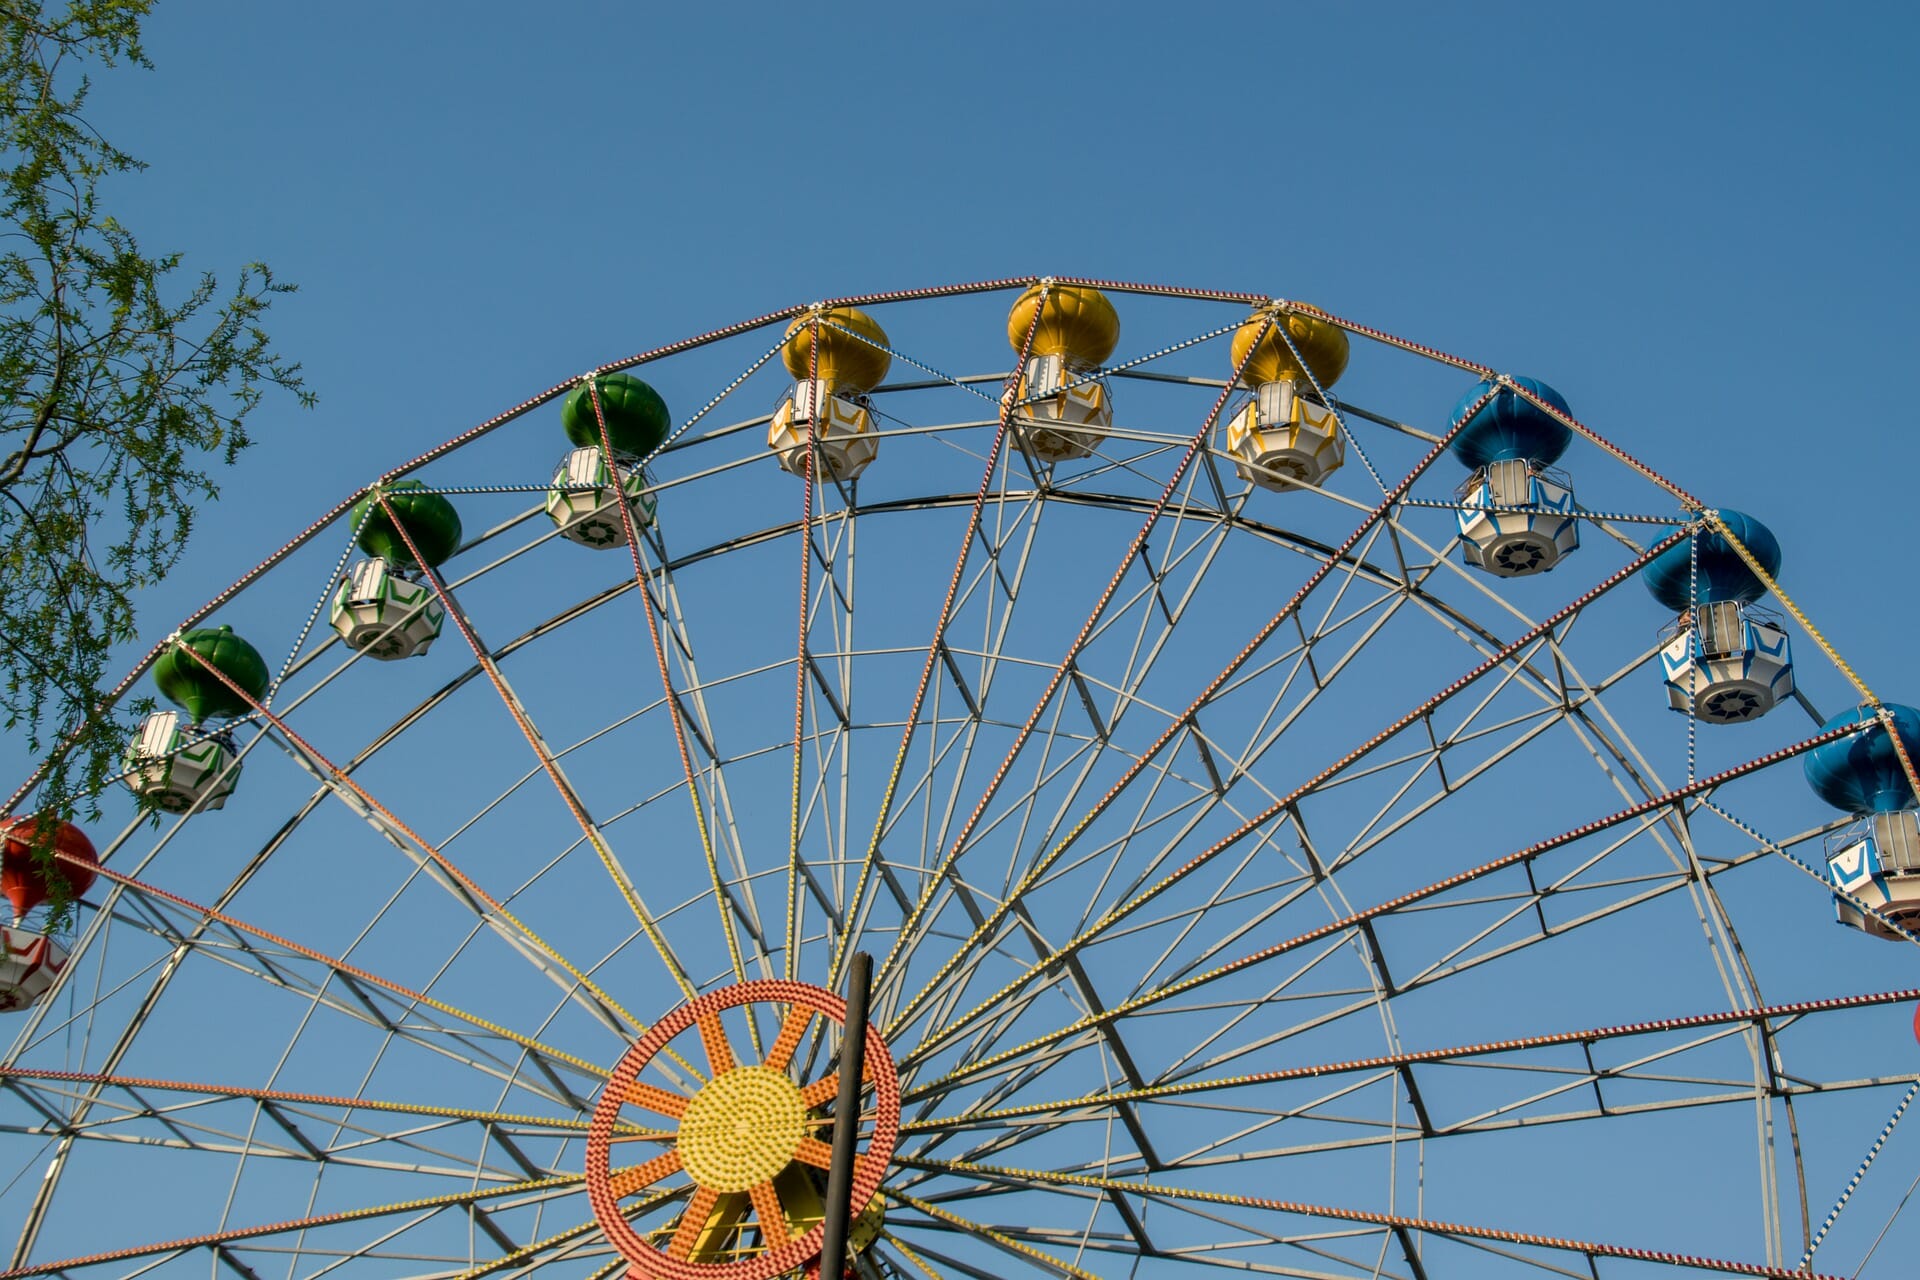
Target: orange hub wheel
736 1137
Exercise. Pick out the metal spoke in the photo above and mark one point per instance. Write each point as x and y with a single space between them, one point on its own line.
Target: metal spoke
568 795
218 1239
1183 894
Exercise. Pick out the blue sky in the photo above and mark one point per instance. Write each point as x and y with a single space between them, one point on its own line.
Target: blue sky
1694 221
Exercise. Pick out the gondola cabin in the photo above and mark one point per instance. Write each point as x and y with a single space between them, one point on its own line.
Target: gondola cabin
1517 516
1061 407
1874 865
384 606
31 959
836 356
582 505
1283 434
1726 662
181 768
193 765
621 413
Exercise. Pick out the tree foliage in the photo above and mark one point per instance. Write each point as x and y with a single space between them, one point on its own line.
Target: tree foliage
123 381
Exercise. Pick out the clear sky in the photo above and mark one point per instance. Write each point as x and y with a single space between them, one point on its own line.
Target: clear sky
1695 221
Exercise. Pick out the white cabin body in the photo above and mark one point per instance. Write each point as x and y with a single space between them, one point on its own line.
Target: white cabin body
1062 413
385 614
1878 863
1280 439
582 503
31 964
1740 667
843 432
176 767
1515 520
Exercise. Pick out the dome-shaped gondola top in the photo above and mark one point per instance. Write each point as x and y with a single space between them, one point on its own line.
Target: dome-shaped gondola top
850 363
637 418
1511 426
1077 323
1322 344
25 880
430 520
1862 773
1721 574
199 692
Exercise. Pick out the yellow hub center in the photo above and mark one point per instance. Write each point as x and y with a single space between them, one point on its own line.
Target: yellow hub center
742 1128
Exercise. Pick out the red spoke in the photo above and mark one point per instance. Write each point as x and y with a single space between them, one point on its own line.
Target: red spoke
664 1101
625 1182
692 1222
795 1026
820 1092
713 1038
772 1215
814 1152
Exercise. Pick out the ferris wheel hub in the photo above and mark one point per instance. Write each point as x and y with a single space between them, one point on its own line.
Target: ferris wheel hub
742 1128
751 1138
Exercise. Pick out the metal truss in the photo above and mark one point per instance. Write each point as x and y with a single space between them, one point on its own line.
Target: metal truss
1258 887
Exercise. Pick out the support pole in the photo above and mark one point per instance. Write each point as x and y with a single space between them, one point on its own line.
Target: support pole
838 1209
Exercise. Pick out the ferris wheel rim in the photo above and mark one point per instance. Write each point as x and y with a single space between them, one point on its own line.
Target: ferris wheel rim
774 534
639 359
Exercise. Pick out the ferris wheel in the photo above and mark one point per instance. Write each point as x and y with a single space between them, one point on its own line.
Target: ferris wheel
1399 836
